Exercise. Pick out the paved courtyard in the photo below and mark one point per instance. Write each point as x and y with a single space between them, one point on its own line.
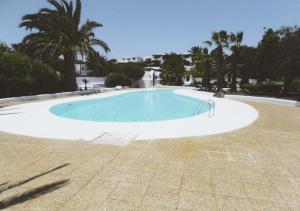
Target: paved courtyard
254 168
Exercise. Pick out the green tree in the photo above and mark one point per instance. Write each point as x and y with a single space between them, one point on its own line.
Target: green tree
43 79
132 71
151 63
220 40
4 48
295 86
100 65
15 74
289 55
57 32
267 56
173 69
248 67
117 79
235 57
202 61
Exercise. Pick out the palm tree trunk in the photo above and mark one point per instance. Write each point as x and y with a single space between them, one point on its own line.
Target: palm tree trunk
220 76
206 77
69 77
233 80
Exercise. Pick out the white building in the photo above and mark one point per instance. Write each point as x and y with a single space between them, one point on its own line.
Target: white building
82 70
188 80
151 77
135 59
92 82
160 57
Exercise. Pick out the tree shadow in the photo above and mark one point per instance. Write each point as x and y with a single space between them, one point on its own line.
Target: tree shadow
30 179
32 194
3 184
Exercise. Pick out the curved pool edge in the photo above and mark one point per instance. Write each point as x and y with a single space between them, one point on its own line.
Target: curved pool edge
33 114
61 109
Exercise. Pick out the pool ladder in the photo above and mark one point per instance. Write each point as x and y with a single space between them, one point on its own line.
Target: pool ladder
211 108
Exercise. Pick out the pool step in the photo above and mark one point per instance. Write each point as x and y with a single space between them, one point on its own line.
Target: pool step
114 138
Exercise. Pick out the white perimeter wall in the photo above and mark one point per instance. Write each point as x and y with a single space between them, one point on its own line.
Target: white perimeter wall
93 82
277 101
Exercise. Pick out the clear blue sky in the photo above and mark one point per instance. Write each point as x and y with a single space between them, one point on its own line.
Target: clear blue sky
144 27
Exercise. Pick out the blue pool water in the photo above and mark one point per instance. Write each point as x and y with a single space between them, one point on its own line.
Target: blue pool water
139 106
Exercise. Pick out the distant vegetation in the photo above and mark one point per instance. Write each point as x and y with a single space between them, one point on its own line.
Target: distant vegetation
55 42
274 63
20 75
126 74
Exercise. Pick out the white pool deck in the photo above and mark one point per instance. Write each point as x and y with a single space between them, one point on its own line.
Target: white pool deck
35 119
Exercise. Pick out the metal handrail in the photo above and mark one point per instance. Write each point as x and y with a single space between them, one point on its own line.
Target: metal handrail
199 106
212 106
202 107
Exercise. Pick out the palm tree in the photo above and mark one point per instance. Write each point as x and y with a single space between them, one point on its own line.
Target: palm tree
235 58
4 48
220 40
173 69
202 61
57 33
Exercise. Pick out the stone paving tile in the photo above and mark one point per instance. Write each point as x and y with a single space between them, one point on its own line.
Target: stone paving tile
255 168
225 188
292 199
111 173
265 192
116 205
197 169
154 208
139 177
167 180
254 178
197 201
91 196
225 175
268 205
197 184
129 192
214 155
244 157
161 196
233 203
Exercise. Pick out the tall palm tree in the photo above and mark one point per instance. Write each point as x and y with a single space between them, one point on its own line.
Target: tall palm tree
220 40
173 68
202 60
235 58
58 33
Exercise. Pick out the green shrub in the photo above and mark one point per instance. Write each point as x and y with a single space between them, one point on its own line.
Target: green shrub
264 89
252 88
271 89
15 71
20 76
44 79
132 71
295 86
117 79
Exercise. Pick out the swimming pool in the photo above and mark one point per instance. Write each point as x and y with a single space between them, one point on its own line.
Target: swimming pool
137 106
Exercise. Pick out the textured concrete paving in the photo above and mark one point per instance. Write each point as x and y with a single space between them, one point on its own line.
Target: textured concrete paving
255 168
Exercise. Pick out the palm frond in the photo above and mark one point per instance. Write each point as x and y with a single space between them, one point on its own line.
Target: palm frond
100 43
